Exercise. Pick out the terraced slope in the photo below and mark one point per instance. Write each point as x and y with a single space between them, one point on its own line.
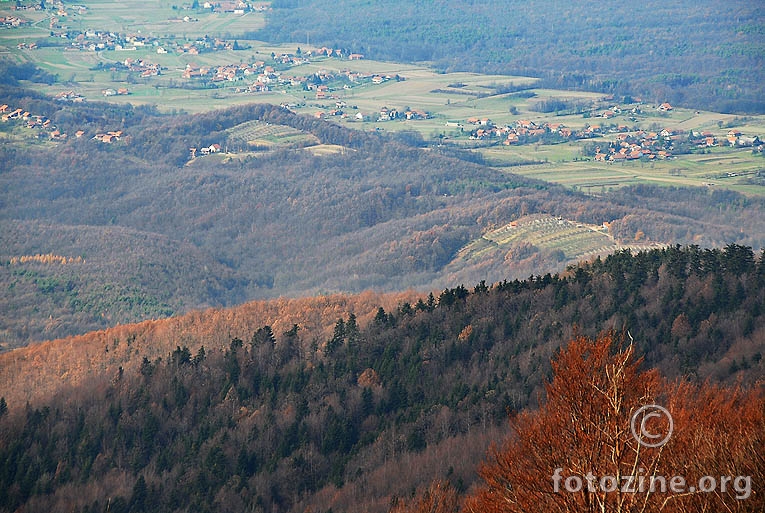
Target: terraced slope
261 134
520 246
574 240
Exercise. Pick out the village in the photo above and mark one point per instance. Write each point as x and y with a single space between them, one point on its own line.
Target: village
263 76
615 142
44 128
621 143
96 41
327 86
61 18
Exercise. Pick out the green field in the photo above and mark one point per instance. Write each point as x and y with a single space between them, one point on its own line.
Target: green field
558 165
149 17
448 99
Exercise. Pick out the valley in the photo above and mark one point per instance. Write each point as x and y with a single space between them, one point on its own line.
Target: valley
153 133
379 257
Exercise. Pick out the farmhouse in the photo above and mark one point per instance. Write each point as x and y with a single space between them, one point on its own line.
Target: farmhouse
207 150
258 87
415 114
108 137
69 96
16 114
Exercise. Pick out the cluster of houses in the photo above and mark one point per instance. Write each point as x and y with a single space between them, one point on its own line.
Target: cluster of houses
31 121
628 145
69 96
334 52
322 83
122 91
20 6
638 145
384 114
653 145
97 40
522 130
409 114
736 138
48 129
239 7
267 76
109 137
263 75
705 139
616 110
13 114
203 45
13 21
144 68
63 11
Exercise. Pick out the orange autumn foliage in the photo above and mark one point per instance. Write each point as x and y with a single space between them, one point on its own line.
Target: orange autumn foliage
584 427
440 497
37 372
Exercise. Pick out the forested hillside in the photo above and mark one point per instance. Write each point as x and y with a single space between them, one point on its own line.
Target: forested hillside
706 54
350 407
99 233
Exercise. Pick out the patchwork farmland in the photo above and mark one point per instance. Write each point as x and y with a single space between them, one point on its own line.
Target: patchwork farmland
88 47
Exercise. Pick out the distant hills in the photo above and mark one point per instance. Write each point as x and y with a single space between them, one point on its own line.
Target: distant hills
706 55
157 229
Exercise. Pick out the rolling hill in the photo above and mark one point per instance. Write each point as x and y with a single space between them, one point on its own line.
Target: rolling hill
160 231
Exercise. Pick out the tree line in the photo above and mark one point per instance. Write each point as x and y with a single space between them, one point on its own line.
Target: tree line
695 54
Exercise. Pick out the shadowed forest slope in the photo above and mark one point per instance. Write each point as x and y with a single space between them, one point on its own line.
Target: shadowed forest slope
336 403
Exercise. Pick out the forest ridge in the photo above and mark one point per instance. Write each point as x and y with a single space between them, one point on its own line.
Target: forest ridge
706 54
275 405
